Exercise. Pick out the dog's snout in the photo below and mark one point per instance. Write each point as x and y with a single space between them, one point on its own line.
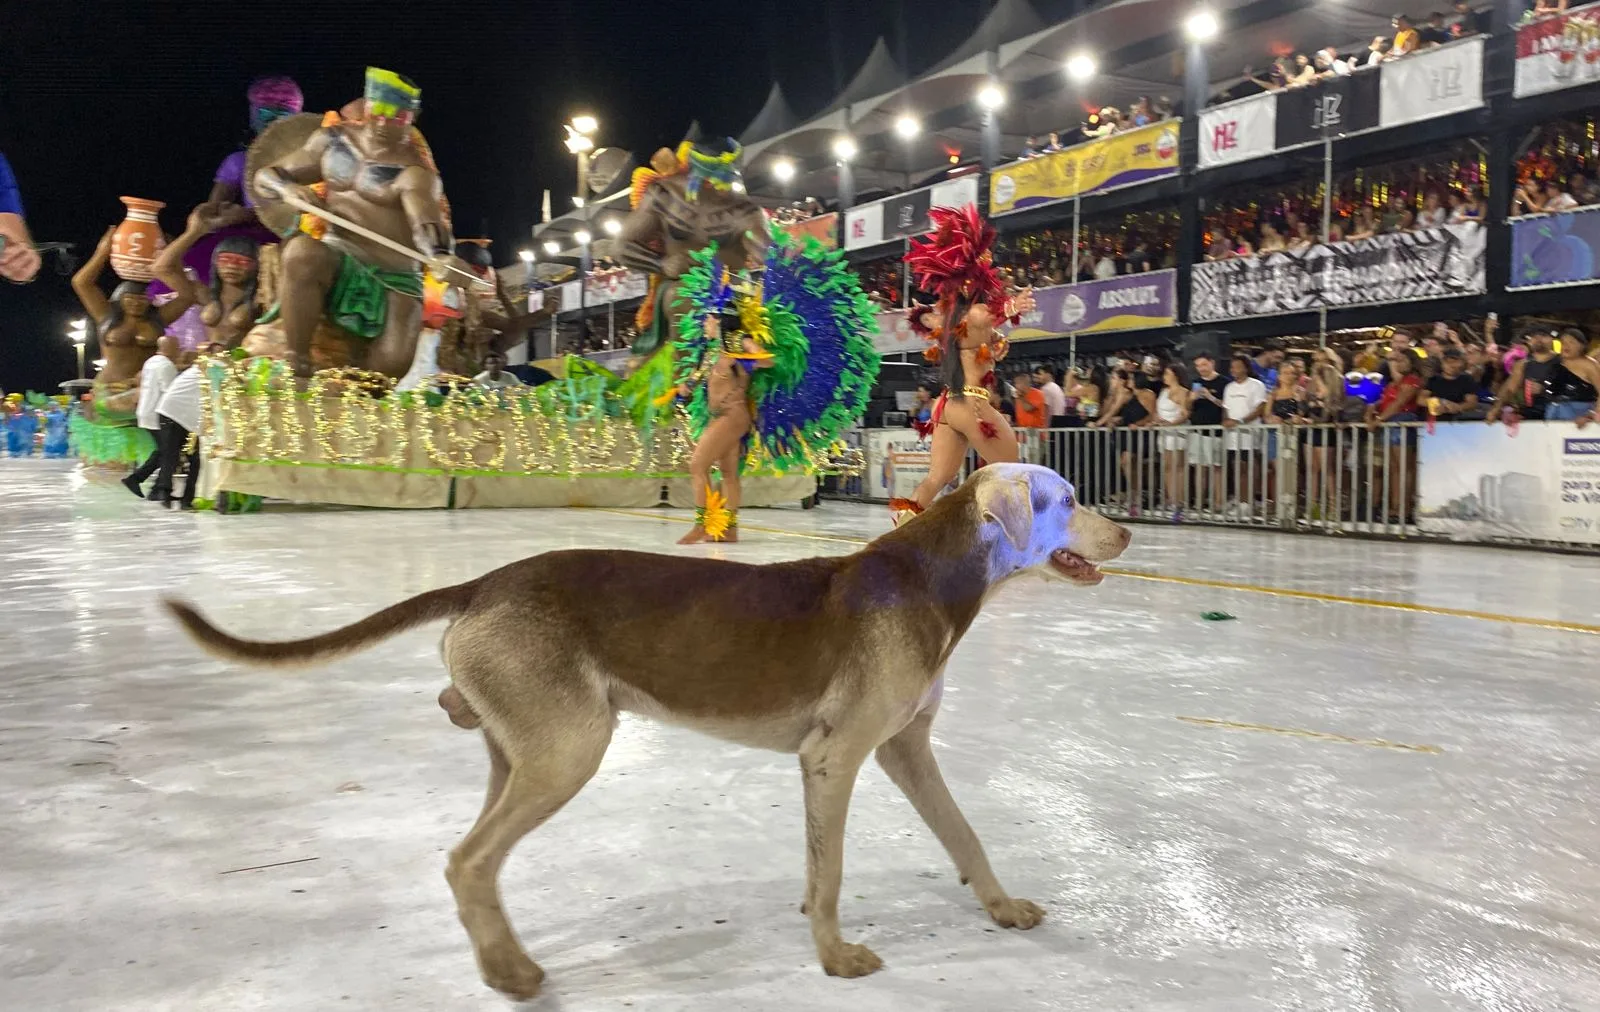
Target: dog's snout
1124 537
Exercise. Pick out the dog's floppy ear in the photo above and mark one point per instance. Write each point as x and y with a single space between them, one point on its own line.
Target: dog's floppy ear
1009 503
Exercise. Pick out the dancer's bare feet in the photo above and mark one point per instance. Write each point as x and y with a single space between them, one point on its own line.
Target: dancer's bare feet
696 535
731 535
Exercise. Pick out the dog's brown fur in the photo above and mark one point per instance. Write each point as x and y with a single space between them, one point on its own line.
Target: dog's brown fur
831 658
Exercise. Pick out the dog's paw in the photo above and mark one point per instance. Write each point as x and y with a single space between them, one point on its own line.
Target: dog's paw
849 960
513 975
1014 913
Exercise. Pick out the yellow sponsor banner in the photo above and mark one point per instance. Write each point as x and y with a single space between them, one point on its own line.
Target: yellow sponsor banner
1123 159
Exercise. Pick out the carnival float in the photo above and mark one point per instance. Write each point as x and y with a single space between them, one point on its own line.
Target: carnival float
349 318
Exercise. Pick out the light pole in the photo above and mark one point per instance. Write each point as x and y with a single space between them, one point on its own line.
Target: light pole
582 237
906 127
580 142
844 149
783 171
78 334
990 98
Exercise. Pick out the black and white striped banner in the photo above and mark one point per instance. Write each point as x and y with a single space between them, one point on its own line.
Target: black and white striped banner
1435 263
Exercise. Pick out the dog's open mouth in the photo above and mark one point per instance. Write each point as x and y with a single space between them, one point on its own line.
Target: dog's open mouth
1075 567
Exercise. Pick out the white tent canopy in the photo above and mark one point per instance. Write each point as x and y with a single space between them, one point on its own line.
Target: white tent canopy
1137 43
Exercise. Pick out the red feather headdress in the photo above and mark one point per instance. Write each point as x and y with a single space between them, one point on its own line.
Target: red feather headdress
958 259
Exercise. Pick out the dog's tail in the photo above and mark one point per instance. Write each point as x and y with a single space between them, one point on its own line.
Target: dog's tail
427 607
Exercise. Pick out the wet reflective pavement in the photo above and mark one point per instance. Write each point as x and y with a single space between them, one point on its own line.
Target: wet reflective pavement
1318 805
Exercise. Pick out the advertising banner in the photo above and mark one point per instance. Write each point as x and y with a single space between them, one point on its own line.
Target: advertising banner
1340 105
905 214
1480 483
958 192
1433 83
1555 249
1559 52
1432 263
895 336
1124 159
1129 302
616 286
570 295
897 461
824 228
863 226
1239 131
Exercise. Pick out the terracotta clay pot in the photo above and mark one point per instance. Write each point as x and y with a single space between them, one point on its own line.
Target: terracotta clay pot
138 240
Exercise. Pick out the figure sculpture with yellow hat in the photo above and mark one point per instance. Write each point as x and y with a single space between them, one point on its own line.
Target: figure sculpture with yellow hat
376 179
685 202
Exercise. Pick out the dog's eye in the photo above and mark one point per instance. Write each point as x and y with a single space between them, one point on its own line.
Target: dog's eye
1066 500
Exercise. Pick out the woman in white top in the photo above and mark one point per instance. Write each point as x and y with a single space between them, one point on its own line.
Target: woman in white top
1432 214
1172 409
1465 208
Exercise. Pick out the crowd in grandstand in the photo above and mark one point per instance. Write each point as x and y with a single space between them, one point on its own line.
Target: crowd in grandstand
1326 402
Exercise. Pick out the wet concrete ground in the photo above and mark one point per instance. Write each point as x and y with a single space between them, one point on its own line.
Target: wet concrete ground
179 833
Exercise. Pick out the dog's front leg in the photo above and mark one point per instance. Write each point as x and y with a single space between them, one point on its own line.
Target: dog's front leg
908 759
829 762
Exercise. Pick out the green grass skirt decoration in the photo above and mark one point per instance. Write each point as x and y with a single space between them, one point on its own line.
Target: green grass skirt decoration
99 443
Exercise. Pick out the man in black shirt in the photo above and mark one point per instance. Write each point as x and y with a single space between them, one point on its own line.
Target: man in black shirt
1466 21
1205 447
1149 375
1451 392
1435 32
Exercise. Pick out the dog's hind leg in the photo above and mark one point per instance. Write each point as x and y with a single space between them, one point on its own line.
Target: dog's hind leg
548 757
829 762
908 759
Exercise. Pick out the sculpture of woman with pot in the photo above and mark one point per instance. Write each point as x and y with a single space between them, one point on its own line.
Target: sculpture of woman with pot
229 302
127 325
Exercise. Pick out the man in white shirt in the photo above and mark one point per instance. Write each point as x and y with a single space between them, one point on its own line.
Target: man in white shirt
1244 401
1055 399
494 375
157 374
180 416
1105 268
1330 65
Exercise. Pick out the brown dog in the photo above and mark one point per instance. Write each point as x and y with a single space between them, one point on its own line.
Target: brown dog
833 659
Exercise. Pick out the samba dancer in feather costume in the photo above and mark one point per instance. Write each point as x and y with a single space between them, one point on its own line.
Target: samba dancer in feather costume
956 264
773 366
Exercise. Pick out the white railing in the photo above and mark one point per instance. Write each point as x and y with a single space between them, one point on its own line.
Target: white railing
1533 484
1298 477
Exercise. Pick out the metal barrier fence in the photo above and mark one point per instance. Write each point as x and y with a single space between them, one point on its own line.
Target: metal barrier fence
1347 478
1336 478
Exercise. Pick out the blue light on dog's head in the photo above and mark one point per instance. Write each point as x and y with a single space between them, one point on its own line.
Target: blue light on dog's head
1023 504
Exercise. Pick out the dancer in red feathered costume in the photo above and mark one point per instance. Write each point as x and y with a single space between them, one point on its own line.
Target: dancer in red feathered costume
956 264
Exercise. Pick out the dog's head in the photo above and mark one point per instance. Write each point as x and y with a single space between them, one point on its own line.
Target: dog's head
1031 520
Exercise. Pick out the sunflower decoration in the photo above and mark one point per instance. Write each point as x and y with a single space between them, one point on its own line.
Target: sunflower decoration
718 518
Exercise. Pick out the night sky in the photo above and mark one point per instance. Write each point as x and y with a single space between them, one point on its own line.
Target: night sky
111 97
